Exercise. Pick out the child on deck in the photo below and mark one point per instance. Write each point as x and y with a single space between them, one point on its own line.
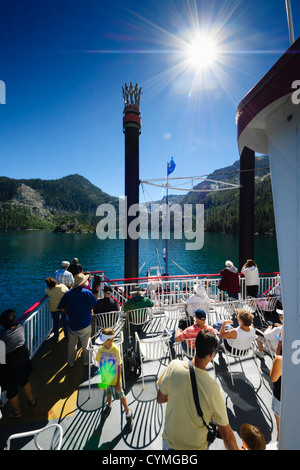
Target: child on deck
110 368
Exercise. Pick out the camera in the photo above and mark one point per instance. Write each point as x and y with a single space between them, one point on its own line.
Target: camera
213 432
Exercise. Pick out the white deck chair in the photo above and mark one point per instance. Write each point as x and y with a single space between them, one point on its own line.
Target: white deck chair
189 352
138 317
250 304
172 314
232 305
106 319
115 320
171 317
240 349
265 304
222 310
55 442
152 349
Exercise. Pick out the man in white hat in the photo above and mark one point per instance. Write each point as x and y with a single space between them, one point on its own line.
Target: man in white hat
63 276
197 300
78 303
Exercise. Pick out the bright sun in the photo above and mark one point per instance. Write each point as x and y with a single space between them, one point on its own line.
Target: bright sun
202 52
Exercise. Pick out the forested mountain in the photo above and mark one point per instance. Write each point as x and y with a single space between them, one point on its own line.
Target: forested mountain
72 202
221 208
42 204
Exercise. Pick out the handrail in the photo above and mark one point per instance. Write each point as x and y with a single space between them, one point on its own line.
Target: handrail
37 319
37 326
271 287
180 276
93 272
37 304
31 309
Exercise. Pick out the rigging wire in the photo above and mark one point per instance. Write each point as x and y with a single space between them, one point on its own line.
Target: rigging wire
240 171
180 267
156 247
194 178
142 266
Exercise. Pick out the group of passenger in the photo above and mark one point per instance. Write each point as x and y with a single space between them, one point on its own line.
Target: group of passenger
175 381
230 282
71 306
72 300
174 384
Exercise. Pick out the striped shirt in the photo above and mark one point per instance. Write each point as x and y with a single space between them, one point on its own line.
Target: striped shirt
62 276
192 331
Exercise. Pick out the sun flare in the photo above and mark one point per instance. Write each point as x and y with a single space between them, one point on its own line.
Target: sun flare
202 52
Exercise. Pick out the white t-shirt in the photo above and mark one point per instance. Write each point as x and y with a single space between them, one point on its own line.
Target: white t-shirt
241 334
270 333
251 276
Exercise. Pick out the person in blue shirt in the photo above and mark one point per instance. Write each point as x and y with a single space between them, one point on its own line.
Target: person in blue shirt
78 303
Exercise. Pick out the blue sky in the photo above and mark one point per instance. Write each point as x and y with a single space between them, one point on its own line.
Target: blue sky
64 64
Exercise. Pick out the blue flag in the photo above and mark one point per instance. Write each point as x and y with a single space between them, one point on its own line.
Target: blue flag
171 166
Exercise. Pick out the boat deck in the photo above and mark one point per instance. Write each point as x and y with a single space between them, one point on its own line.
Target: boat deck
63 397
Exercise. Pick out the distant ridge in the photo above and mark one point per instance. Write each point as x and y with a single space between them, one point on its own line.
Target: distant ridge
221 208
43 204
70 203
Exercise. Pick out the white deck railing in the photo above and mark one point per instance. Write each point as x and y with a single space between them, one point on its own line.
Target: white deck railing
38 324
166 292
37 327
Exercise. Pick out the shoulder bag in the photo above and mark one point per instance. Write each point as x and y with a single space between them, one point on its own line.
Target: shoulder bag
212 428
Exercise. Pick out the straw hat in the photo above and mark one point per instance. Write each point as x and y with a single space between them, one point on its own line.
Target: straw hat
80 279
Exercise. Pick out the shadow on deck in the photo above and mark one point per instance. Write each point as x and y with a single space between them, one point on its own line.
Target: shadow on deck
63 397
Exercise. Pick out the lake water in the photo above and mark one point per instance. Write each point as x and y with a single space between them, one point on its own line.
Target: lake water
27 258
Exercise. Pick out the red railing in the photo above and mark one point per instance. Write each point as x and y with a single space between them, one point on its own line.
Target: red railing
125 280
32 308
128 280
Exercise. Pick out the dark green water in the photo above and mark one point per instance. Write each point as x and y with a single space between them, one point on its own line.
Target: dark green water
28 257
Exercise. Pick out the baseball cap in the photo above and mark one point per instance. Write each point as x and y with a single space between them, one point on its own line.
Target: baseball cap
200 314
